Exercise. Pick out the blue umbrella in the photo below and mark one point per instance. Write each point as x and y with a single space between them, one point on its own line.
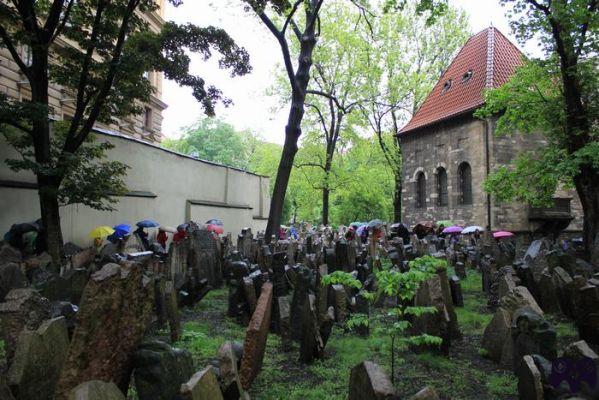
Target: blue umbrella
214 221
148 223
122 230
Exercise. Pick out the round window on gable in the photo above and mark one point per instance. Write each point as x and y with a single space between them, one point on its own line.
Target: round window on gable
446 86
467 75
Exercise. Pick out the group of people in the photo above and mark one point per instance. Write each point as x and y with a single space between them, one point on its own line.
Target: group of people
27 237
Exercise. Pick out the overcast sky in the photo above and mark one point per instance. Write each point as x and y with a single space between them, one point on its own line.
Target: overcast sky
252 108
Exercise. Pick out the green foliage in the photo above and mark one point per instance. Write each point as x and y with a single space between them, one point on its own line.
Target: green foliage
341 278
2 350
212 139
357 320
89 178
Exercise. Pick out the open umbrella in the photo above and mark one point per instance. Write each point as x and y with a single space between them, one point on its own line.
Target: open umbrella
502 234
453 229
122 230
101 232
375 223
472 229
445 223
214 221
215 228
169 229
148 223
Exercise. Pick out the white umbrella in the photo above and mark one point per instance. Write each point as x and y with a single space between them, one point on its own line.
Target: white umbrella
472 229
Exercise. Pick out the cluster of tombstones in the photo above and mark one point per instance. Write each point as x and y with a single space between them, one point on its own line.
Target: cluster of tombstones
78 330
521 292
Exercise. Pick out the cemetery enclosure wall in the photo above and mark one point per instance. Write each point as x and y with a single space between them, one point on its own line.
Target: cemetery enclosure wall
467 139
163 185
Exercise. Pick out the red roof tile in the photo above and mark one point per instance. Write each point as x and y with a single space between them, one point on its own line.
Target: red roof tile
492 60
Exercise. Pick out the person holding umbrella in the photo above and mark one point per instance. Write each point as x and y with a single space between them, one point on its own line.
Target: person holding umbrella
142 234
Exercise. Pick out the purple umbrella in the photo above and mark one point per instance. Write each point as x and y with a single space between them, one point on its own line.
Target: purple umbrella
453 229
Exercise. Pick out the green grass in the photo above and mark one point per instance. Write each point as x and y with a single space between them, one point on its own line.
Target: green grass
502 384
473 318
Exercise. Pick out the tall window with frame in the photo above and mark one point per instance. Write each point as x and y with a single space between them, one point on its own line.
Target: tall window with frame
442 198
420 190
465 183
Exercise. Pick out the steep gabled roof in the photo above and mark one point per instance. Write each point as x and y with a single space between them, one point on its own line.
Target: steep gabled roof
487 60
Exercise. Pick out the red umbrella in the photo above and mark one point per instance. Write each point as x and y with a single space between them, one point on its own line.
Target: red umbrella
502 234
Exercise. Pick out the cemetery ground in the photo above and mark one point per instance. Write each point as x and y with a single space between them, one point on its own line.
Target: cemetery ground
465 374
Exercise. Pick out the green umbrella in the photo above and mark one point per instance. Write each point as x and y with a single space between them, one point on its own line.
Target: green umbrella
445 223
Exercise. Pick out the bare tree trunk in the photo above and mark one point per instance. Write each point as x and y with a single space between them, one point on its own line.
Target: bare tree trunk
587 187
47 184
293 130
326 192
397 197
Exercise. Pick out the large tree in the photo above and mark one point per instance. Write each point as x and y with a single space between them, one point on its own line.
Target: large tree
334 93
558 98
304 29
110 47
407 55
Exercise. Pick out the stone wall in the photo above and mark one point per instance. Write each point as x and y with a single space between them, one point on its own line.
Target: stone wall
447 145
163 185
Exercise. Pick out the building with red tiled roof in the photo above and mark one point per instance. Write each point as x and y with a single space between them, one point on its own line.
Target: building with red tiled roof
448 153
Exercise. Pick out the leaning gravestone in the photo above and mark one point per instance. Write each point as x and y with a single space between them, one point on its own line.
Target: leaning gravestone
496 333
116 307
428 393
531 334
96 390
22 308
368 381
255 337
311 343
160 370
530 386
11 277
202 385
229 355
38 359
456 291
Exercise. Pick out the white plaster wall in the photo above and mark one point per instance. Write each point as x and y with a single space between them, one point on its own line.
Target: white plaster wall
172 177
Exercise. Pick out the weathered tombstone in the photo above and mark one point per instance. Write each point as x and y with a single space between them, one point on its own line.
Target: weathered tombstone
22 308
518 298
229 355
330 259
339 297
255 337
368 381
115 310
454 329
548 294
202 385
68 287
430 294
342 255
305 280
11 277
496 333
532 334
428 393
460 270
563 283
250 293
38 359
204 258
311 343
456 291
278 270
10 254
284 322
588 314
530 385
96 390
159 370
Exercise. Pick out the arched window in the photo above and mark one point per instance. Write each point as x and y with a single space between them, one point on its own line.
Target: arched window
441 187
420 190
465 176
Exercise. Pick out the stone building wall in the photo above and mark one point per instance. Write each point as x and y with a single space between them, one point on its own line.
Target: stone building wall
444 145
447 145
15 85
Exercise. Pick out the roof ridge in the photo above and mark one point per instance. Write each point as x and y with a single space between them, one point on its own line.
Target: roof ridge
490 56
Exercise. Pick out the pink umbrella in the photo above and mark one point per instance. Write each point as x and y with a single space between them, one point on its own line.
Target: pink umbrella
502 234
453 229
215 228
